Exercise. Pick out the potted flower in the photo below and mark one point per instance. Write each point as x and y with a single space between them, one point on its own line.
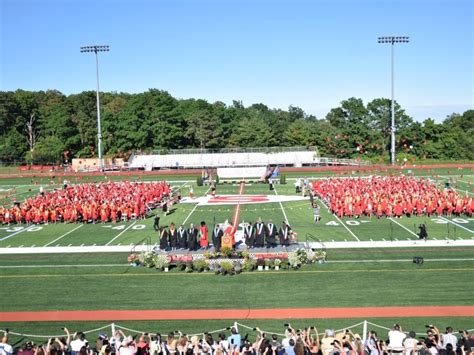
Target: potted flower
284 264
227 267
162 263
249 265
320 256
277 263
149 260
268 264
134 259
226 252
260 264
200 265
294 261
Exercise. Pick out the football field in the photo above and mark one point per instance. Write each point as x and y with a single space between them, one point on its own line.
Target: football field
281 204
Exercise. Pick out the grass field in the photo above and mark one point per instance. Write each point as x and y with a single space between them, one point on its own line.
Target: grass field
298 213
351 278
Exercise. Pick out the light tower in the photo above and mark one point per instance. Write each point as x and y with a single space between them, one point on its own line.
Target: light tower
96 49
392 40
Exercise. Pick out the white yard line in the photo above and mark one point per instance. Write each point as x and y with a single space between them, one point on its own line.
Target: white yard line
118 235
65 234
194 209
405 228
13 234
329 262
342 223
456 224
281 205
58 266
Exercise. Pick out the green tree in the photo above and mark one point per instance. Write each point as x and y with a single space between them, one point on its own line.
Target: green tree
48 150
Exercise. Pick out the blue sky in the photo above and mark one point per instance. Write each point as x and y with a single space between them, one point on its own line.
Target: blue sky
308 53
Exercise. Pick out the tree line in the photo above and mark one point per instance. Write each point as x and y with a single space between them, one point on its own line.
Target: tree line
50 127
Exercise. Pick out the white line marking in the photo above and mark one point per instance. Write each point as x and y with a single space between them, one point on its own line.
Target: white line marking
13 234
65 234
55 266
405 228
329 261
194 208
118 235
344 225
458 225
281 205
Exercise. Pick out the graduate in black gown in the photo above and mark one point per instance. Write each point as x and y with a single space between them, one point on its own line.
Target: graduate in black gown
271 234
260 234
192 235
182 238
217 234
163 239
249 235
285 234
173 237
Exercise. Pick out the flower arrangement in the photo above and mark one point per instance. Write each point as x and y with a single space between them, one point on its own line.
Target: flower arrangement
227 267
294 260
134 259
147 259
227 252
249 265
161 262
200 265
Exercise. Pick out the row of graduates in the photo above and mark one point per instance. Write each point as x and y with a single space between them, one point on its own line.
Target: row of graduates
89 202
193 238
391 196
259 235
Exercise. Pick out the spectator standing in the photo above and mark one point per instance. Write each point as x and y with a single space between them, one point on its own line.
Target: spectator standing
78 343
449 338
396 337
5 348
234 337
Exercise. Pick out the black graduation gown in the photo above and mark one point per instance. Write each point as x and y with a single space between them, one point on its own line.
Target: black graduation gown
217 238
164 240
260 232
182 239
192 238
285 235
173 237
271 235
249 236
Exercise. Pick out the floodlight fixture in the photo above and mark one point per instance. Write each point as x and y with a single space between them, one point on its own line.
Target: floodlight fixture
96 49
392 40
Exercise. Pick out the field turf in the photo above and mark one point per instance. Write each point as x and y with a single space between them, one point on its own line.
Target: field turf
298 213
351 278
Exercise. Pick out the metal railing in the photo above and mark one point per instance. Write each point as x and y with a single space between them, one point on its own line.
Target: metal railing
148 244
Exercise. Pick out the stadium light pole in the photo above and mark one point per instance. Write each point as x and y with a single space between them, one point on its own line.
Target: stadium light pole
96 49
392 40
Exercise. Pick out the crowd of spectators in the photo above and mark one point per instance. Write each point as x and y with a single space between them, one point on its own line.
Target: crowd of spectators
390 196
294 342
88 203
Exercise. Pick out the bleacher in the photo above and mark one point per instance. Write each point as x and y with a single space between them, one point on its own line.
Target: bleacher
196 158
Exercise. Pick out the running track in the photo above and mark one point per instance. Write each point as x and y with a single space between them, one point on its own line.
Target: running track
278 313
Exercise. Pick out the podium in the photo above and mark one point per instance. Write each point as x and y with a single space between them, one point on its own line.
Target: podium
228 239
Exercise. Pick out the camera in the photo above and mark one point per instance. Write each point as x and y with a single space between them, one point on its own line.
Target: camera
311 327
254 329
429 326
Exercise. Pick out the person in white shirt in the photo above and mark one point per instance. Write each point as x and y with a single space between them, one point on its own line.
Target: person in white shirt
396 337
78 343
5 348
410 343
449 338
